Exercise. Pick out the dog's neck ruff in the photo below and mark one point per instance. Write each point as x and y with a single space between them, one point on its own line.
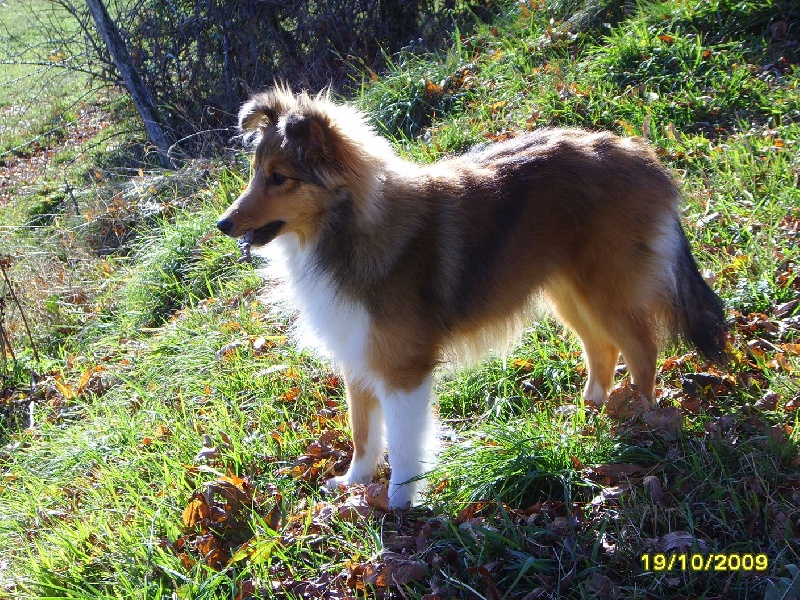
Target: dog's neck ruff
329 323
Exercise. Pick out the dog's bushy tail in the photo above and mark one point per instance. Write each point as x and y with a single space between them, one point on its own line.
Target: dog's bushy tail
700 314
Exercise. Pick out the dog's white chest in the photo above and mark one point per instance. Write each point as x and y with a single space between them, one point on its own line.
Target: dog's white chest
333 326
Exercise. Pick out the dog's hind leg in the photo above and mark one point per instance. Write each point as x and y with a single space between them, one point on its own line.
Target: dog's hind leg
639 346
600 353
410 435
601 359
366 423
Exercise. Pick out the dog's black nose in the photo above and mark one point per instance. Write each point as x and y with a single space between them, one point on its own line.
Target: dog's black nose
225 225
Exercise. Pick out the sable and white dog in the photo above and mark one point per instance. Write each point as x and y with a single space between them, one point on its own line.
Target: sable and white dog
393 264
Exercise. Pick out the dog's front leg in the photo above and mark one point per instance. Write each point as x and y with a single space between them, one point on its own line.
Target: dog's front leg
411 440
366 423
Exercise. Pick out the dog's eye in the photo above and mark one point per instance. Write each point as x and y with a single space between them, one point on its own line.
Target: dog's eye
277 179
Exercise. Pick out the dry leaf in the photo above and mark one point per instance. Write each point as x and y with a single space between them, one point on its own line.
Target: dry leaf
611 493
666 423
196 511
84 380
163 432
680 541
377 496
618 471
793 404
657 493
229 350
718 426
65 389
626 401
354 509
769 401
601 586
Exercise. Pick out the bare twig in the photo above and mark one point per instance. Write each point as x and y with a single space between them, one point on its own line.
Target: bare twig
5 262
68 190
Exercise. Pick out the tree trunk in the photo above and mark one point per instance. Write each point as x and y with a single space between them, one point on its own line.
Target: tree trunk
133 82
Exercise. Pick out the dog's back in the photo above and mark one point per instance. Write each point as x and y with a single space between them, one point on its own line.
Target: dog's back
588 219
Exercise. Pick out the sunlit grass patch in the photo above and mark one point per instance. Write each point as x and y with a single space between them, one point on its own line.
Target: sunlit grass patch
519 461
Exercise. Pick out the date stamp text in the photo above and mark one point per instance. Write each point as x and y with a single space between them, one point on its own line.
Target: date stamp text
704 562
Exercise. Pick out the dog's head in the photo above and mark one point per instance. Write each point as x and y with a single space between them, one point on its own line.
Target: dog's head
309 153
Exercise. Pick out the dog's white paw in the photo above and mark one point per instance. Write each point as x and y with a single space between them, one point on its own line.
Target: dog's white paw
355 474
334 482
402 496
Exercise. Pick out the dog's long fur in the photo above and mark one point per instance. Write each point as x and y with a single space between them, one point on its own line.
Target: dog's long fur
393 264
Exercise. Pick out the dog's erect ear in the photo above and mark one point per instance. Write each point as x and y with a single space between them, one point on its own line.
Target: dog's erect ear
263 110
310 134
255 115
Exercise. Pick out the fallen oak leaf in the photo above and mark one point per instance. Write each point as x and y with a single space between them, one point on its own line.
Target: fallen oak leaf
690 404
65 389
702 384
779 433
354 508
163 432
86 378
616 472
786 310
319 449
610 493
377 496
212 552
393 570
290 395
680 541
716 427
236 496
601 586
793 404
673 362
196 511
769 401
666 423
626 401
209 452
657 493
230 350
220 503
759 346
469 512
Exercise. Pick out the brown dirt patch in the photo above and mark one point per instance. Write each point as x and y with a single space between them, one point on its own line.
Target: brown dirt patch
19 172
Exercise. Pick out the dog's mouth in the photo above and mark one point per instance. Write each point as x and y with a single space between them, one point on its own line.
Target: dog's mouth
257 237
264 235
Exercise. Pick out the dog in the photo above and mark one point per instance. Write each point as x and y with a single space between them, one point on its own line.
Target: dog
394 265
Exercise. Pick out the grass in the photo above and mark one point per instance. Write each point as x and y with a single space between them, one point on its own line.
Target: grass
174 440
